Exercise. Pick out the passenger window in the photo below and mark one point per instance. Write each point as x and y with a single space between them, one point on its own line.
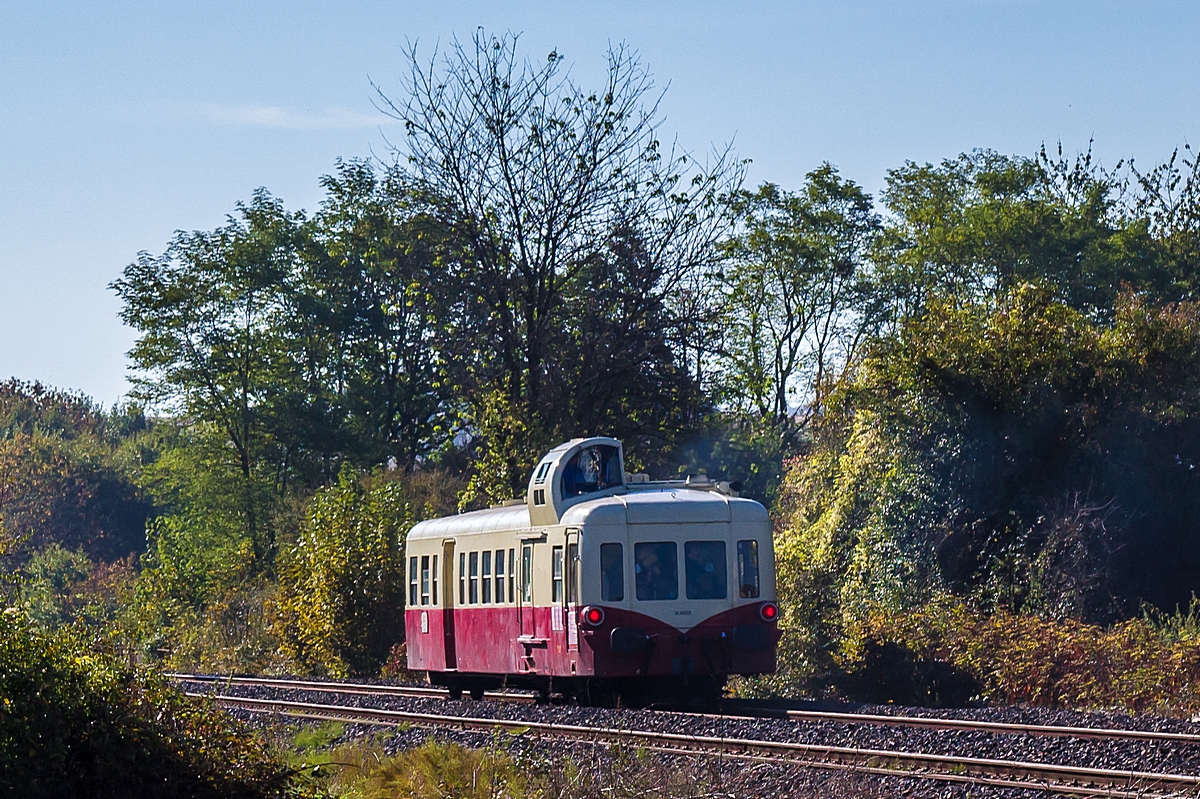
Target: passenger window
473 581
747 564
527 573
424 579
656 569
499 575
462 578
704 567
592 469
487 577
512 575
556 575
412 581
612 573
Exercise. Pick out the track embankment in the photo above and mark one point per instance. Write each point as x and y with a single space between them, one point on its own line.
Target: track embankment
1000 756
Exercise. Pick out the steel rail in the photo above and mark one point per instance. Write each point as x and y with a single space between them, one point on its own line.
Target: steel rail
344 688
1004 728
917 765
925 722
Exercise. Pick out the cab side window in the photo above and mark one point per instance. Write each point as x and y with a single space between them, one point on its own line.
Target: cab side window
747 565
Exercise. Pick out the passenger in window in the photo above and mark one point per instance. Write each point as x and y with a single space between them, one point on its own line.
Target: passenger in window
592 469
656 571
612 573
704 564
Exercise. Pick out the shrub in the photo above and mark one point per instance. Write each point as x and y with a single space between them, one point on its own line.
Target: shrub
438 769
57 586
342 585
1147 664
77 723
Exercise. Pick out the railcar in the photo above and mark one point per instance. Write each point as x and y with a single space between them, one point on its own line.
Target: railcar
599 585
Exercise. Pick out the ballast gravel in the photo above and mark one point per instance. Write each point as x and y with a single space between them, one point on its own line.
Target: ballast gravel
740 778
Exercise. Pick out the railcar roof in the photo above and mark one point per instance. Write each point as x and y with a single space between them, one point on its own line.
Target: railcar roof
638 506
491 520
666 506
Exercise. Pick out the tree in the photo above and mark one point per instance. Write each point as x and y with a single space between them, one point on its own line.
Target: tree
368 329
1167 203
1013 452
797 295
537 179
62 480
983 223
209 311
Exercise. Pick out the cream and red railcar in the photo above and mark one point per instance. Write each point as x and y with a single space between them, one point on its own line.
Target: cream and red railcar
599 584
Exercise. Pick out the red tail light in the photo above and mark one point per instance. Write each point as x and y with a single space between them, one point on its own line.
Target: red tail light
591 616
769 611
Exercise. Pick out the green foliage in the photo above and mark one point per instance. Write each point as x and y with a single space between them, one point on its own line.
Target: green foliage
77 723
200 597
799 298
210 313
343 582
313 738
371 314
984 223
437 769
1012 452
62 479
1141 665
509 445
58 587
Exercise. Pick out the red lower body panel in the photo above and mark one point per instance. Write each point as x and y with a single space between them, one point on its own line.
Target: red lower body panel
536 641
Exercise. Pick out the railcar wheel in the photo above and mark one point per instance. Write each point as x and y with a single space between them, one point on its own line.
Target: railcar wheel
477 693
543 693
455 690
702 695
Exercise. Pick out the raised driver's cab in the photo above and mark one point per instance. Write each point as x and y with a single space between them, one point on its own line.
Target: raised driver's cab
574 472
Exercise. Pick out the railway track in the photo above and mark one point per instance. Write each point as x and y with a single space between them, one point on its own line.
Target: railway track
732 708
363 689
1013 774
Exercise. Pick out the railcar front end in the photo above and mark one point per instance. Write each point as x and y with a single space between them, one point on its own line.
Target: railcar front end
597 585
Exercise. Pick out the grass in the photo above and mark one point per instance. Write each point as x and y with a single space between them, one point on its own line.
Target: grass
336 765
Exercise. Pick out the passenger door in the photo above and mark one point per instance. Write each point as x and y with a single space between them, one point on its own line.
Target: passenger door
448 604
572 593
525 606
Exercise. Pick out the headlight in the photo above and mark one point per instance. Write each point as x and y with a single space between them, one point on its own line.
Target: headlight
769 611
592 616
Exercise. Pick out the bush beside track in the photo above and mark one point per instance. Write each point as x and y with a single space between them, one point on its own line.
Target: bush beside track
76 722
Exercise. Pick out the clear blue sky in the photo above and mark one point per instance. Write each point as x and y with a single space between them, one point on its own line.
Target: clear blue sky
121 123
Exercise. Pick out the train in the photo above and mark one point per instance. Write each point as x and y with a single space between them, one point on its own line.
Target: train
599 586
